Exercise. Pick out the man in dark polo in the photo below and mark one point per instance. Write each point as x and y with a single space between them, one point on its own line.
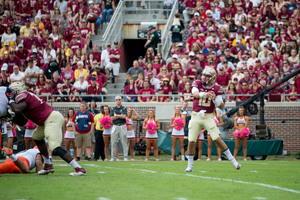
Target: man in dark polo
153 38
118 116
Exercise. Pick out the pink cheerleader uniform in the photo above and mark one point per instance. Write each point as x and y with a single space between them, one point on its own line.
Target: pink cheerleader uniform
176 132
69 134
151 136
245 132
29 130
130 134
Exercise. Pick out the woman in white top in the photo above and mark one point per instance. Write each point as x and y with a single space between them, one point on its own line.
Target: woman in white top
242 131
9 37
130 131
151 133
177 132
69 131
81 84
107 134
219 122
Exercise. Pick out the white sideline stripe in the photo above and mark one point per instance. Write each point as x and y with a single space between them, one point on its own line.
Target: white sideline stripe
254 171
261 198
180 198
103 198
211 178
101 172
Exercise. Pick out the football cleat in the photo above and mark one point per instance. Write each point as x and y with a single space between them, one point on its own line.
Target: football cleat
189 169
48 168
7 151
238 166
79 172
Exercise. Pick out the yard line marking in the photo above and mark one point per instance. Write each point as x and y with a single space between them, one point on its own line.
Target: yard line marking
202 171
254 171
180 198
215 178
103 198
262 198
140 164
61 165
150 171
101 172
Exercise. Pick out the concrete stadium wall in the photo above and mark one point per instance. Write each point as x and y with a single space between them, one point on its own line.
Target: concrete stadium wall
282 118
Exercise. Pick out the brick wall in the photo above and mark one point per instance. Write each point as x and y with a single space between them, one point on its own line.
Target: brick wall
283 120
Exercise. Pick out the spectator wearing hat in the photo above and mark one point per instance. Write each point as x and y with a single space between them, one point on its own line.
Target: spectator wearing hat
93 89
5 48
228 66
24 10
174 62
223 78
244 91
9 36
191 71
135 70
4 77
189 9
22 53
46 92
146 90
130 91
108 7
152 38
235 50
185 60
11 61
79 70
100 78
268 41
75 44
32 72
85 31
37 21
114 63
180 50
166 89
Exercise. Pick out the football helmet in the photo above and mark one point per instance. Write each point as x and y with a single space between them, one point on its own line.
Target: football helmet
17 87
209 71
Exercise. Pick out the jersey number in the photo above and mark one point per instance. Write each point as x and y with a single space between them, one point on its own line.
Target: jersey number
204 101
36 97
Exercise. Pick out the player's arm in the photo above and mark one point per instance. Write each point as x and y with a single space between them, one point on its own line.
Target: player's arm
38 163
18 107
197 94
23 168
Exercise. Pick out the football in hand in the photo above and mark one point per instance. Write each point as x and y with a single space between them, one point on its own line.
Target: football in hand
92 17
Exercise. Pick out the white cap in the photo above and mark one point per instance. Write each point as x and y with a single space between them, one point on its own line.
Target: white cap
80 63
4 67
196 14
91 2
175 56
180 44
208 11
191 53
34 50
238 41
280 23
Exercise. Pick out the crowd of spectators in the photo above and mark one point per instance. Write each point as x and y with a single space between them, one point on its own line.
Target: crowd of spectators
36 33
250 43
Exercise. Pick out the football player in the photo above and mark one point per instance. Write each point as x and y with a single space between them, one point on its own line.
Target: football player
49 123
22 162
207 96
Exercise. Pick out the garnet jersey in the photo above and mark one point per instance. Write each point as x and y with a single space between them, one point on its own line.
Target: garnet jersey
204 103
37 110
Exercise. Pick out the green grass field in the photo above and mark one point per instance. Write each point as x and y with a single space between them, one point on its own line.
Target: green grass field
159 180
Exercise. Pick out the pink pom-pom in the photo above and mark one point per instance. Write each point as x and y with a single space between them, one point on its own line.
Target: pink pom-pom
14 132
127 120
30 124
244 133
106 122
216 121
151 126
180 123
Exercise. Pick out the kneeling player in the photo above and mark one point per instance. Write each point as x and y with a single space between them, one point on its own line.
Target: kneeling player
22 162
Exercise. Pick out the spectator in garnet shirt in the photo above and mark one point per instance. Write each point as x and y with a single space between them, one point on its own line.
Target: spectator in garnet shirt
93 89
166 90
130 90
146 91
296 86
96 53
47 91
191 72
276 94
223 78
244 91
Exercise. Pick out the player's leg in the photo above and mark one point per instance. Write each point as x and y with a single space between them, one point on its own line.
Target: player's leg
236 146
244 140
181 141
54 137
209 147
174 143
194 130
74 148
18 164
155 149
211 127
148 146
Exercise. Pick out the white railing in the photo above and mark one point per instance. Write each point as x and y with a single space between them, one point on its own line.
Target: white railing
166 42
113 31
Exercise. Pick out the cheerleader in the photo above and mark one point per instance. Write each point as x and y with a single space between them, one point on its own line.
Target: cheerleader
106 124
69 135
151 125
178 124
219 122
242 131
10 134
130 132
30 127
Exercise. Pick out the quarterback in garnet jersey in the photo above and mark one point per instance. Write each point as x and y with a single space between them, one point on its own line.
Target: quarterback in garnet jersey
49 123
207 96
